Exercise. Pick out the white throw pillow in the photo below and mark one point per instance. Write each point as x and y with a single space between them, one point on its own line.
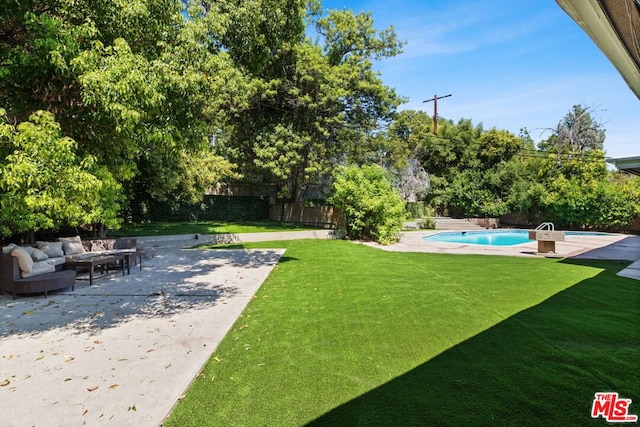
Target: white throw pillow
25 262
71 245
52 249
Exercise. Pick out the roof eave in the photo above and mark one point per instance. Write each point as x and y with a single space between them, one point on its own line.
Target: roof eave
590 16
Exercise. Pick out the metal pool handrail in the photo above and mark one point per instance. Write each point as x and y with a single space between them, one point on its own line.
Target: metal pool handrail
547 226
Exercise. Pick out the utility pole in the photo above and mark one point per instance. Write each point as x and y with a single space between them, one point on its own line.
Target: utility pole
435 110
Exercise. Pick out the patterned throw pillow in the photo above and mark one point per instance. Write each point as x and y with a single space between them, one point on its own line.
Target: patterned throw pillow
71 245
102 245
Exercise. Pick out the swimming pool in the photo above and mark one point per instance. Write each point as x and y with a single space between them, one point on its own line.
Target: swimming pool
495 237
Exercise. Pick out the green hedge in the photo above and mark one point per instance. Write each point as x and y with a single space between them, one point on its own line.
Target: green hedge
212 208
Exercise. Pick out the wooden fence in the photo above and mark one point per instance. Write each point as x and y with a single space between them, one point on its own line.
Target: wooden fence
321 216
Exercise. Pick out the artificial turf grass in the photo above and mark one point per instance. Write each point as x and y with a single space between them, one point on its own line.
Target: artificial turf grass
342 334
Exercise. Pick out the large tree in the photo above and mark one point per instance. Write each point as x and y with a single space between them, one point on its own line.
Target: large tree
312 100
568 182
135 83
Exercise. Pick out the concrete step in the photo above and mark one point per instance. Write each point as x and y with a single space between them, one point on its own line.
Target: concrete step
446 223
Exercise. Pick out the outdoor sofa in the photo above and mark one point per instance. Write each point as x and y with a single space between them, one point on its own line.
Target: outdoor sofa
38 268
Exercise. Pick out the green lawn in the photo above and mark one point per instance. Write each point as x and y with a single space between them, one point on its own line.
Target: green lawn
341 334
204 227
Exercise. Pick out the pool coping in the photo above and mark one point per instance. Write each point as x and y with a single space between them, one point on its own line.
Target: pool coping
618 247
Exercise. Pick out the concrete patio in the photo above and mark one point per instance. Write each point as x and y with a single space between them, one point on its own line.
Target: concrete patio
123 351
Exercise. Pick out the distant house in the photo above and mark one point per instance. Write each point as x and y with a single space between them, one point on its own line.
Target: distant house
627 164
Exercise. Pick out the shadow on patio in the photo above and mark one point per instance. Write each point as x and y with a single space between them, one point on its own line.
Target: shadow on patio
169 283
627 249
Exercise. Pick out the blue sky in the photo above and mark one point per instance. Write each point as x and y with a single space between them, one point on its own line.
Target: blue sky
508 64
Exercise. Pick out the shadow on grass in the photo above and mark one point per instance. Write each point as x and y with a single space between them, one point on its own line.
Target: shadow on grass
541 366
168 284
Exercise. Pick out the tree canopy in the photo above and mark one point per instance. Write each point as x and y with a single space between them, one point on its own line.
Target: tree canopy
44 184
156 100
172 96
311 101
478 173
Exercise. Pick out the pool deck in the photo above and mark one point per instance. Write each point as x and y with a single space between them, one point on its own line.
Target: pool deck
620 247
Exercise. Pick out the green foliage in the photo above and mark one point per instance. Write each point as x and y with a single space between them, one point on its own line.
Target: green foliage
210 208
46 185
471 170
567 181
607 203
371 206
578 132
311 102
424 214
480 173
415 210
132 82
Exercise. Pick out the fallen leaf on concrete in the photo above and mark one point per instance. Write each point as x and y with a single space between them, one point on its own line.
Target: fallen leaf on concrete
132 408
112 386
5 383
94 388
68 358
67 379
85 412
28 313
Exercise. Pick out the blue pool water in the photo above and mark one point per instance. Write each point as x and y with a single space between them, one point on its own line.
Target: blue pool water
493 238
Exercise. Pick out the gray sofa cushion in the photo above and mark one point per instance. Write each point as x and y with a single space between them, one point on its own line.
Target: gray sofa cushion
40 267
36 253
72 245
59 260
53 249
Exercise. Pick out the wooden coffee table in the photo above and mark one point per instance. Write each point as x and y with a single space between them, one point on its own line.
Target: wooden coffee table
101 261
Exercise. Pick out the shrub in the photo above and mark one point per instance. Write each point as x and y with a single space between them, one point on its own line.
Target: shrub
415 210
428 220
372 208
